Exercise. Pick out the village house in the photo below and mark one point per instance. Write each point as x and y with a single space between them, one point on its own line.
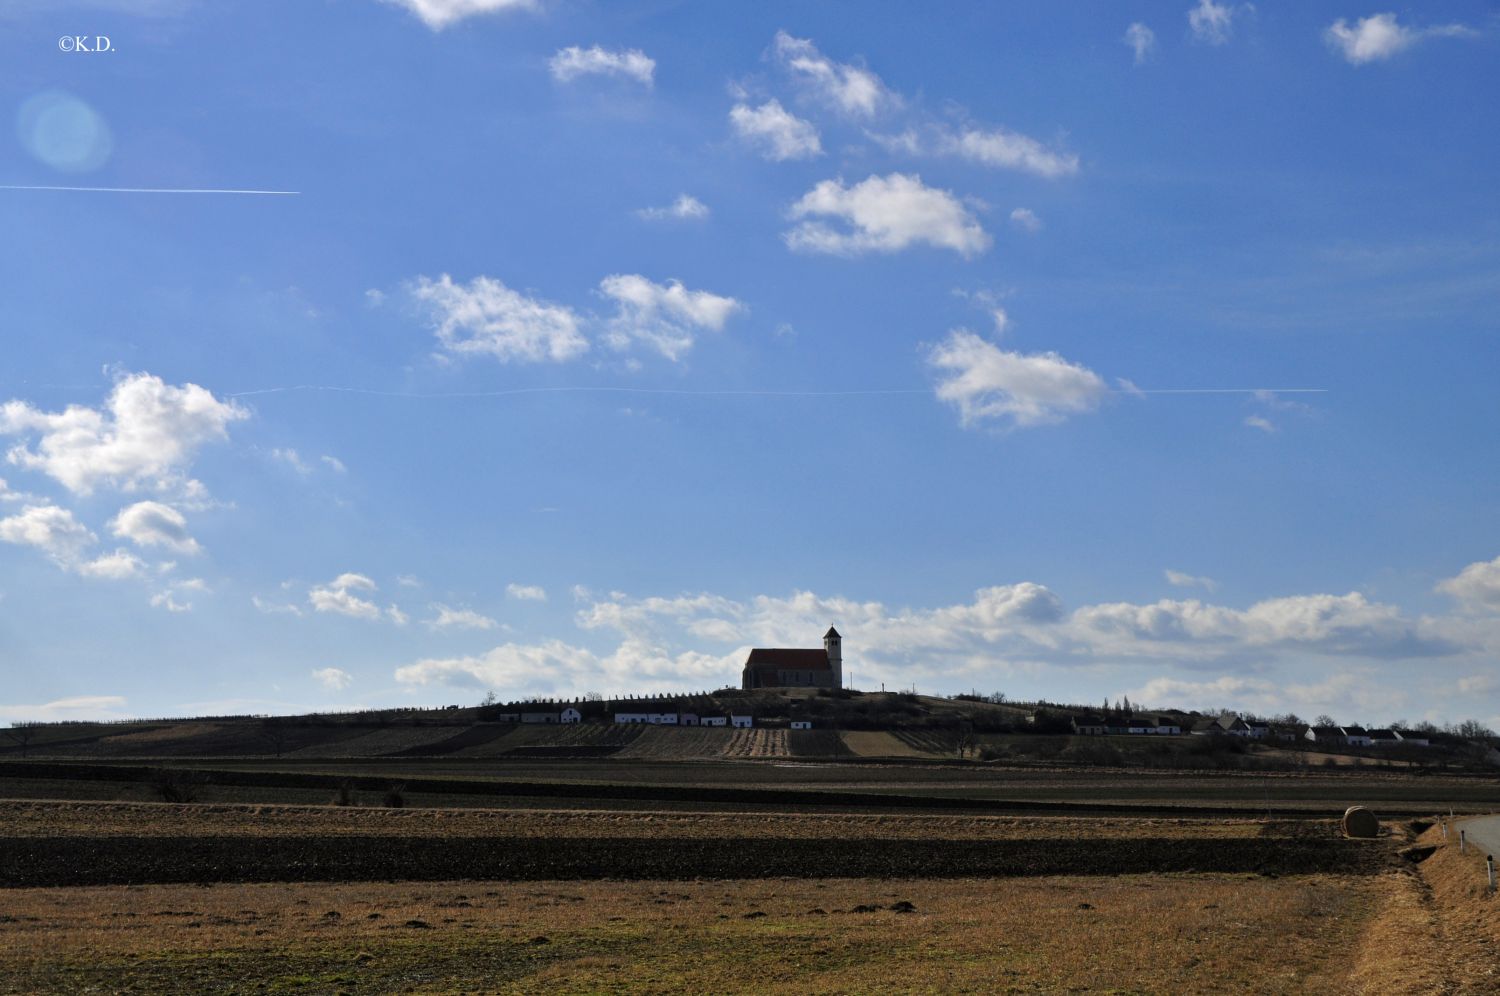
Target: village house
571 715
1324 735
713 721
801 724
1225 725
541 717
1089 726
687 719
1356 736
778 667
632 717
740 721
1384 738
1412 738
1140 725
1168 727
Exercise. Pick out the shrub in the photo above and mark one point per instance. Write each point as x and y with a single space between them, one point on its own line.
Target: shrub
395 796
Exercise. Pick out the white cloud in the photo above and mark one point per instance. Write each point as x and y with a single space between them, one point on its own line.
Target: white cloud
79 708
332 678
1000 147
851 90
145 437
1184 580
1477 586
572 62
1142 41
7 493
558 668
1026 220
339 596
271 608
666 317
985 382
779 134
52 530
884 214
528 592
439 14
488 318
333 463
1380 36
1213 23
685 208
1260 422
292 459
117 566
150 523
167 599
394 614
447 618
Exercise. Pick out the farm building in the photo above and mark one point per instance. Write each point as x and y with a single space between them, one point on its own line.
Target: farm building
741 722
1089 726
632 717
1168 727
1413 738
687 719
779 667
571 715
1356 736
1227 725
541 717
713 721
801 724
1324 735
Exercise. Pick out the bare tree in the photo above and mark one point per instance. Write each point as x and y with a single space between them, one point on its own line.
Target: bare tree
22 734
275 732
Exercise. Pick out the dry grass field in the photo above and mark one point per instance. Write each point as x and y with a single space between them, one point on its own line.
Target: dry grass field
1130 934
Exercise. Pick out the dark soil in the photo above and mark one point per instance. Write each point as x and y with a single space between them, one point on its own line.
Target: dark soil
39 861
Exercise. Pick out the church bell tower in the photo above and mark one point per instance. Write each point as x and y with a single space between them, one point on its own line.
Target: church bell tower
833 644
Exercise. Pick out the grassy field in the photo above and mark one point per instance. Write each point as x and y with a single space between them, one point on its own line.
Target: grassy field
1203 933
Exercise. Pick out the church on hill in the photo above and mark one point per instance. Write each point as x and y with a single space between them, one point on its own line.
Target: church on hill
782 667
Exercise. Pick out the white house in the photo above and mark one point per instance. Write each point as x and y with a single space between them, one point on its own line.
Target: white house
663 719
632 717
1357 736
572 715
712 721
801 724
1168 727
540 717
1415 739
741 722
687 719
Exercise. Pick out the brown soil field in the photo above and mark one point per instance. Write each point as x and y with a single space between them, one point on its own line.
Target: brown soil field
758 743
379 743
1131 934
54 819
99 844
878 743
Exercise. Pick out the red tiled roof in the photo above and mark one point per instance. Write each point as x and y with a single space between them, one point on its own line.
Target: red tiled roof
809 660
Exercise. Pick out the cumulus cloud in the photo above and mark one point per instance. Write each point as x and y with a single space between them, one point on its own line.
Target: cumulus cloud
1381 36
1142 41
778 133
572 62
332 678
685 208
989 384
558 668
883 214
851 90
439 14
50 529
1000 147
151 523
118 566
1476 586
1026 220
1213 23
1184 580
144 437
485 317
168 598
1260 422
527 592
448 618
273 608
667 317
341 596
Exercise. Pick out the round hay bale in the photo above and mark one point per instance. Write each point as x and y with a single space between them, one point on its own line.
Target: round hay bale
1360 822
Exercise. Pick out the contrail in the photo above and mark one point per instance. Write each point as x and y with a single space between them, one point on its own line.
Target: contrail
155 190
723 393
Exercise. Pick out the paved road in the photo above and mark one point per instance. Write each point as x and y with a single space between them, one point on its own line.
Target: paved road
1483 832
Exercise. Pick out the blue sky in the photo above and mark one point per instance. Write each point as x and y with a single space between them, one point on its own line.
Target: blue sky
600 342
